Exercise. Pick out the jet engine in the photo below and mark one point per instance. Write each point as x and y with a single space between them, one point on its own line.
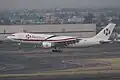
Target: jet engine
46 44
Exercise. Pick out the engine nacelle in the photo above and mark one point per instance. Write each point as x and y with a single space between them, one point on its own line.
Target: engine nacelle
46 44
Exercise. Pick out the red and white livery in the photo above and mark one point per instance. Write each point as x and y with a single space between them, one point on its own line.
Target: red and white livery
57 41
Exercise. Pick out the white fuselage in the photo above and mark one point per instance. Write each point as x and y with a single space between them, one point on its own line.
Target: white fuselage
86 42
47 40
38 38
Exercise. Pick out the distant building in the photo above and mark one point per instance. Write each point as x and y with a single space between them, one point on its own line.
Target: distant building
80 30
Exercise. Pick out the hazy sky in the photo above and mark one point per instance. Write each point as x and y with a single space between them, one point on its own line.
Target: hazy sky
38 4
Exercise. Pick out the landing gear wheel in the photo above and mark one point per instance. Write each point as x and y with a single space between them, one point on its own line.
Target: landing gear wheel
56 50
53 50
59 50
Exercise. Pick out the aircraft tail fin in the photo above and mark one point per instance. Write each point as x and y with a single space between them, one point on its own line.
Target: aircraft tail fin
105 33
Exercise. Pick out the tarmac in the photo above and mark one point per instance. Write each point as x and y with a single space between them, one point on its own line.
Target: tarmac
26 59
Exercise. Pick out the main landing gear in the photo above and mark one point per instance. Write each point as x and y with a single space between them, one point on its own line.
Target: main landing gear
56 50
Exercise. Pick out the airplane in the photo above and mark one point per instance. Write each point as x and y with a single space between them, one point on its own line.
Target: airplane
57 42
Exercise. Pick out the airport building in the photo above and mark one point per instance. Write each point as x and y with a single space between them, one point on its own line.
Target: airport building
80 30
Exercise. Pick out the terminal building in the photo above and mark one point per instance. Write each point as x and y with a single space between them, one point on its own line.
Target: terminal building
79 30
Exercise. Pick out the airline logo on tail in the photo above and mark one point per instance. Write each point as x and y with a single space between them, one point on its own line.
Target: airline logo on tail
107 32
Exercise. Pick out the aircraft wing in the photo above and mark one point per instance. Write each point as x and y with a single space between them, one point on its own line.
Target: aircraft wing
65 43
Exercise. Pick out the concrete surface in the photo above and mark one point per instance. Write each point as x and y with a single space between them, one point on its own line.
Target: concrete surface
27 59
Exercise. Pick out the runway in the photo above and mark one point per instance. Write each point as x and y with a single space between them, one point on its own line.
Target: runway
26 59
